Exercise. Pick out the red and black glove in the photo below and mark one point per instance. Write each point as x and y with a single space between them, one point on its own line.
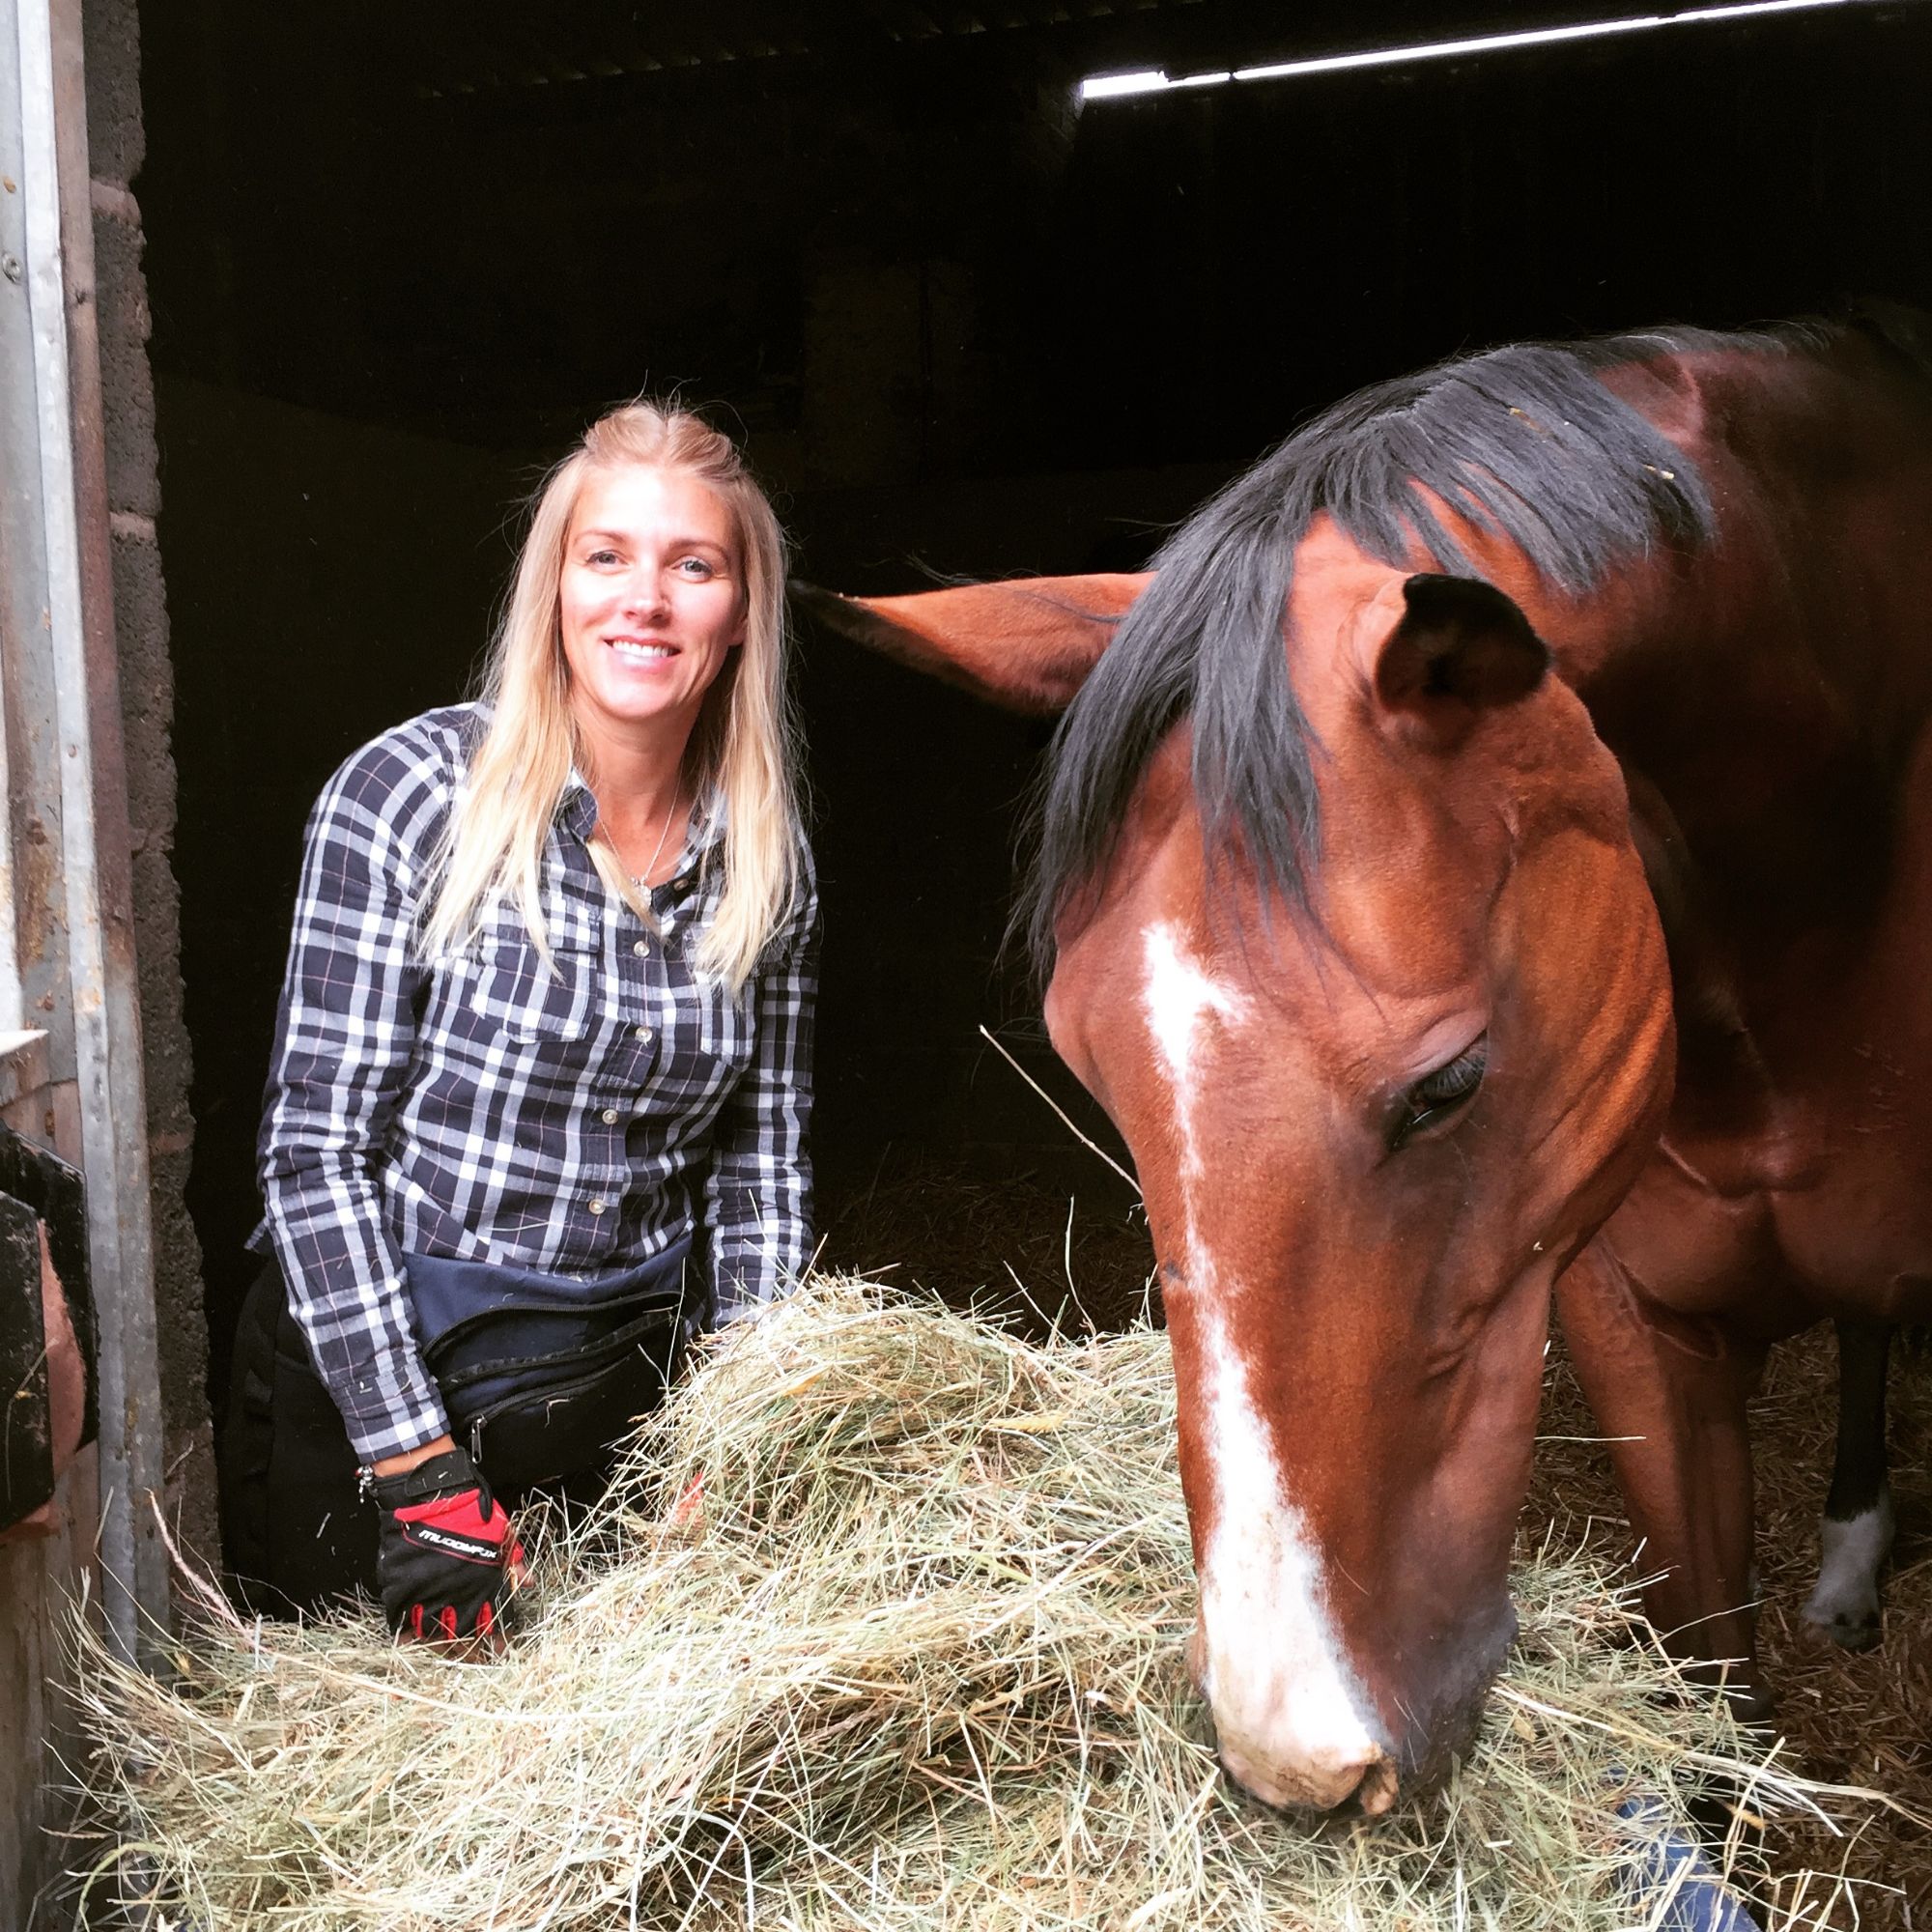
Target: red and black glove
446 1559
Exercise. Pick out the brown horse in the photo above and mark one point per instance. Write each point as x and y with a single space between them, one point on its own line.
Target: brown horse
1491 854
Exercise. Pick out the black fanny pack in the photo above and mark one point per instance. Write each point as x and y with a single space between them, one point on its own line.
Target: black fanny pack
542 1376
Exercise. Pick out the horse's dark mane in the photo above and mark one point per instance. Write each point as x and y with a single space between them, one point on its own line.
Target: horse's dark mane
1525 441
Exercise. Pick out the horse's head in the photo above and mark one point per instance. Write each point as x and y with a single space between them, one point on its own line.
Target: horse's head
1371 1128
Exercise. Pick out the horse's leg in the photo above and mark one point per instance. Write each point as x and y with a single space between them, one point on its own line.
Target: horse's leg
1669 1393
1855 1534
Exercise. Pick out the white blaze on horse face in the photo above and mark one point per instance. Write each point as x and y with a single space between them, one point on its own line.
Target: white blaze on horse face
1287 1707
1178 995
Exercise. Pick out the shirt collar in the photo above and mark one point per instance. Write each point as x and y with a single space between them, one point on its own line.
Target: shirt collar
577 814
577 809
704 836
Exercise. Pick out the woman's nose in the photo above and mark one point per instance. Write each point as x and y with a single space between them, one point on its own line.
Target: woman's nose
645 592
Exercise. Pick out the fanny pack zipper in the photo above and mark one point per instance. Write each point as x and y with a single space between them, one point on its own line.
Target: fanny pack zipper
614 1342
561 1392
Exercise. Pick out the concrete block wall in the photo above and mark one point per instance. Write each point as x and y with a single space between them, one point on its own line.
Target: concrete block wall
116 147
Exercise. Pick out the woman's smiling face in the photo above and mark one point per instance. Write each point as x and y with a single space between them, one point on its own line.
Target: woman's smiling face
650 600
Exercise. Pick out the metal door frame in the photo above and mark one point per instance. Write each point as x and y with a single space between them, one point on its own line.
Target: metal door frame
66 937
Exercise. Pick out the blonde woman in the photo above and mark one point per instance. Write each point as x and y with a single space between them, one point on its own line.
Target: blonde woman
539 1100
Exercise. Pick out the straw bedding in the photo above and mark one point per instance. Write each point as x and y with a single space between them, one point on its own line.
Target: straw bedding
911 1658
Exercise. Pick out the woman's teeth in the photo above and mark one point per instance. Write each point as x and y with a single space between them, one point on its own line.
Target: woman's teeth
641 653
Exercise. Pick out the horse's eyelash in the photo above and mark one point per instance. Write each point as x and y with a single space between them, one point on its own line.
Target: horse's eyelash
1453 1078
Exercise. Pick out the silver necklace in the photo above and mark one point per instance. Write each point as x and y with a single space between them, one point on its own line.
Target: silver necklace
643 879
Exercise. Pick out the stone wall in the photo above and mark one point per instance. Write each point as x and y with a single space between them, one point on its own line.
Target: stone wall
116 147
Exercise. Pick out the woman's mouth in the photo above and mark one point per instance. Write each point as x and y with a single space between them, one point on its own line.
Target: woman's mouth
637 652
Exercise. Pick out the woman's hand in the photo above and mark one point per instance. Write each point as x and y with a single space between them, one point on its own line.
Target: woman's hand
447 1562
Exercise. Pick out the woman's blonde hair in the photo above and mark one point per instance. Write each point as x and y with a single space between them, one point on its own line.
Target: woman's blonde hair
743 746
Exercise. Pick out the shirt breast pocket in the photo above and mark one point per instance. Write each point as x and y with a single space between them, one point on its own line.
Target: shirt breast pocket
532 1003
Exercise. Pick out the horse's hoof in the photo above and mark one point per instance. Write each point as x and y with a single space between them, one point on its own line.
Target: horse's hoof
1844 1605
1850 1625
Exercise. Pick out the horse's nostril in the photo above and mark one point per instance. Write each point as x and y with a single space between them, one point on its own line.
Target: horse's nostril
1372 1783
1378 1789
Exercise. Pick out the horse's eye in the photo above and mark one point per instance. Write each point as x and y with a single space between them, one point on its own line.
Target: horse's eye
1437 1096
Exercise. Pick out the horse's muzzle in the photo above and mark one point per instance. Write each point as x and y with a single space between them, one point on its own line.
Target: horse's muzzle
1372 1783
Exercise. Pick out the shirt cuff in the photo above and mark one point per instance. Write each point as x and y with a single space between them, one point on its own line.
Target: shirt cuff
387 1417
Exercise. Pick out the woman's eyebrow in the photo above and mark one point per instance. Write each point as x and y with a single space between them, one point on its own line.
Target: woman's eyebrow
670 543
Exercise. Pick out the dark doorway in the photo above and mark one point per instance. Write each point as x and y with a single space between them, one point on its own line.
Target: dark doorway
964 325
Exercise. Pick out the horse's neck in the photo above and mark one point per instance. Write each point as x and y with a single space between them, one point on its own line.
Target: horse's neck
1768 696
1722 1071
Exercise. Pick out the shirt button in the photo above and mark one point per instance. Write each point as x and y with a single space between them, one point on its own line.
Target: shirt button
643 947
597 1206
610 1116
643 1036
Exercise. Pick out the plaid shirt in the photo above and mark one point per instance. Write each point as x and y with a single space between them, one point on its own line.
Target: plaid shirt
479 1107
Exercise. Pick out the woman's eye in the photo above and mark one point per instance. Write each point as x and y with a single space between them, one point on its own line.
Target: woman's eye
696 566
602 556
1438 1095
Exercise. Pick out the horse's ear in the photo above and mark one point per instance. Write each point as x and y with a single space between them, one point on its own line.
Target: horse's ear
1459 648
1026 644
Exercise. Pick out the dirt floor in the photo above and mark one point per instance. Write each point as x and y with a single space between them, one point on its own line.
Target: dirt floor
1028 1252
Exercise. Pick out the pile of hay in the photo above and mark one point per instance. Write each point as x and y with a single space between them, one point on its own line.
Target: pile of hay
914 1661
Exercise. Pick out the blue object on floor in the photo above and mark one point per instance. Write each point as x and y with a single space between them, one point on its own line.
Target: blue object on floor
1665 1861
